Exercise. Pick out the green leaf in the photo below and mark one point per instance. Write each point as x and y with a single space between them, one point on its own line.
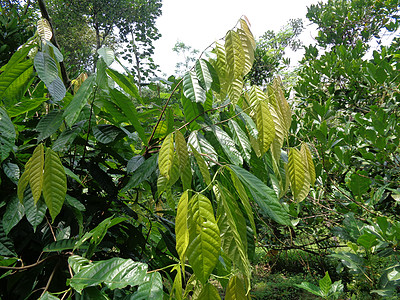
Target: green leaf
129 110
166 155
181 227
228 145
23 182
265 126
47 70
235 289
44 29
80 99
202 166
48 296
241 140
24 106
73 202
248 50
234 54
192 88
207 76
14 81
183 159
61 245
14 213
191 112
115 273
106 133
204 239
264 196
199 142
152 288
107 54
209 292
54 183
66 138
125 84
142 173
367 240
6 245
310 164
7 135
49 124
325 284
360 183
34 212
297 171
36 172
177 286
309 287
235 89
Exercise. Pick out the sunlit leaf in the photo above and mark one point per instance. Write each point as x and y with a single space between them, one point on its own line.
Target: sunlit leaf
181 227
235 289
207 76
151 288
183 159
166 156
44 29
36 172
192 88
234 54
297 171
209 292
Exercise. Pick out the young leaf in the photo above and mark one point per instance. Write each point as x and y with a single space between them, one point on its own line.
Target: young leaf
310 163
235 289
204 237
44 29
7 135
296 173
183 159
234 54
264 196
54 183
115 273
181 227
265 126
107 54
166 156
24 106
202 166
152 288
177 286
36 172
325 284
192 88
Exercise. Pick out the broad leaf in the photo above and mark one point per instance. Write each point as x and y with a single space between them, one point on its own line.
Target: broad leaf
199 142
7 135
325 284
107 54
241 140
265 126
209 292
14 213
36 172
207 76
142 173
105 133
205 172
191 112
263 195
181 227
115 273
54 183
166 156
24 106
310 164
228 145
49 124
248 50
234 54
125 84
152 288
44 29
204 239
34 212
235 289
183 159
192 88
296 173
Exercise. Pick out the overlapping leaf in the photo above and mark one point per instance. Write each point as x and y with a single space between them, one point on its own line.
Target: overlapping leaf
7 135
297 171
234 54
228 145
199 142
152 288
235 289
192 88
209 292
207 76
166 155
44 29
49 124
14 213
36 172
183 159
124 82
202 166
241 140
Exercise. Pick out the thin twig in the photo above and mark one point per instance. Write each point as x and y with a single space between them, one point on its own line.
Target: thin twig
50 279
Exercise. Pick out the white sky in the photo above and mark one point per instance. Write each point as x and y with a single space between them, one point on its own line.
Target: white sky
200 23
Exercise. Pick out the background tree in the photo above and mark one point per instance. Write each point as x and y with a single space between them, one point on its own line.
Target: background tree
188 57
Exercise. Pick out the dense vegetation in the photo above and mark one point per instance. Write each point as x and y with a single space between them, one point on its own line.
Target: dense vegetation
112 189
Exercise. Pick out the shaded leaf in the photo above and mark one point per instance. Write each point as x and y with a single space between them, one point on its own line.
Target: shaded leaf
228 145
152 288
207 76
34 212
7 135
125 84
209 292
49 124
202 166
14 213
183 159
235 289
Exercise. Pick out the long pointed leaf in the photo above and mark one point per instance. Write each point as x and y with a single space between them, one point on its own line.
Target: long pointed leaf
36 172
192 88
125 84
7 135
183 159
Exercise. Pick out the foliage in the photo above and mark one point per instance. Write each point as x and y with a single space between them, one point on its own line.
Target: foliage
189 57
104 196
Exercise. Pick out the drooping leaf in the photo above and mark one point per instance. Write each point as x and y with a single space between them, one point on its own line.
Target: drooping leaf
48 296
80 99
228 145
166 156
7 135
60 245
23 181
209 292
192 88
115 273
245 27
49 124
152 288
105 133
181 227
204 239
265 126
177 286
199 142
248 50
202 166
235 89
36 172
191 112
6 245
54 183
67 137
235 289
14 213
263 195
240 139
142 173
34 212
130 112
183 159
234 54
125 84
44 29
11 170
107 54
207 76
297 171
310 163
325 284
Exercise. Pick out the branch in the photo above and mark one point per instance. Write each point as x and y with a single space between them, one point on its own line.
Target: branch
28 266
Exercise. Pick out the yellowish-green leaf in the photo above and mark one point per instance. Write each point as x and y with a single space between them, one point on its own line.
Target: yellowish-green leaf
181 227
209 292
36 172
245 27
177 286
234 54
255 96
54 183
248 51
162 184
235 289
296 170
306 185
265 126
192 88
284 107
166 155
44 29
235 89
310 163
183 159
204 237
202 166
